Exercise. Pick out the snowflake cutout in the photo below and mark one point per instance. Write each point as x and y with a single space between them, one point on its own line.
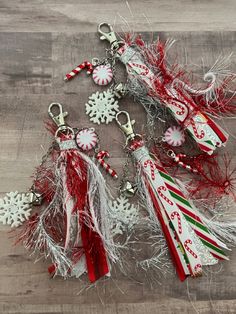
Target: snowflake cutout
14 208
102 107
123 215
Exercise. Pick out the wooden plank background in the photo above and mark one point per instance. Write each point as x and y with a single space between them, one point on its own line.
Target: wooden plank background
39 42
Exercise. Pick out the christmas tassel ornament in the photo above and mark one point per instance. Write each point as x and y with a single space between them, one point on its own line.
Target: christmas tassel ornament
73 226
190 241
159 87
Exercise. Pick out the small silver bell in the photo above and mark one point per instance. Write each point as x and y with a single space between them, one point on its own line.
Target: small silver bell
36 199
128 189
119 90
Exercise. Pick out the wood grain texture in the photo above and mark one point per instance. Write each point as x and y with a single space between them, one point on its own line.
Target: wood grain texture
39 42
84 15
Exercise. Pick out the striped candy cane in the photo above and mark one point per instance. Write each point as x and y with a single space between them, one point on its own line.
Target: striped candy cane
78 69
177 159
100 157
176 214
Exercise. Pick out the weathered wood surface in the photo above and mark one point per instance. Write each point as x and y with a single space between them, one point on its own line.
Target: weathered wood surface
84 15
39 42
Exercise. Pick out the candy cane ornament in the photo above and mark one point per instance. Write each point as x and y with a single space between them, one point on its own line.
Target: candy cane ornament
100 157
85 65
177 159
176 214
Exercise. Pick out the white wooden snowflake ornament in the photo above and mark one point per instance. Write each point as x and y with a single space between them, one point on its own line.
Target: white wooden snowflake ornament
124 215
174 136
102 107
86 139
14 208
102 75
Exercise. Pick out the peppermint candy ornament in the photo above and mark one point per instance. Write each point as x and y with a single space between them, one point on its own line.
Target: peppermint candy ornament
86 139
174 136
102 75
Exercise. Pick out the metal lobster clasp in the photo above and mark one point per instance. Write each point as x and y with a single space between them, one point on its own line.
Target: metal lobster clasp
127 127
57 117
109 35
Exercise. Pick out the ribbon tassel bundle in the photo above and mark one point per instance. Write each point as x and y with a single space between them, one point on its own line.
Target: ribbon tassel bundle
73 227
177 217
191 242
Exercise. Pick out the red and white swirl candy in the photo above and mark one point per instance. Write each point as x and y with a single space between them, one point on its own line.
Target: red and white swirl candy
102 75
174 136
86 139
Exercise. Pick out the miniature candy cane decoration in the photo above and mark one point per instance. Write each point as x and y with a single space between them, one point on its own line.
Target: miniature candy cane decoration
78 69
182 108
186 245
142 67
199 136
182 164
100 157
163 188
209 76
175 213
152 167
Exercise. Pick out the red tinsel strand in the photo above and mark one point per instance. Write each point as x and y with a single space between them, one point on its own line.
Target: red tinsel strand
25 235
76 185
220 179
212 176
